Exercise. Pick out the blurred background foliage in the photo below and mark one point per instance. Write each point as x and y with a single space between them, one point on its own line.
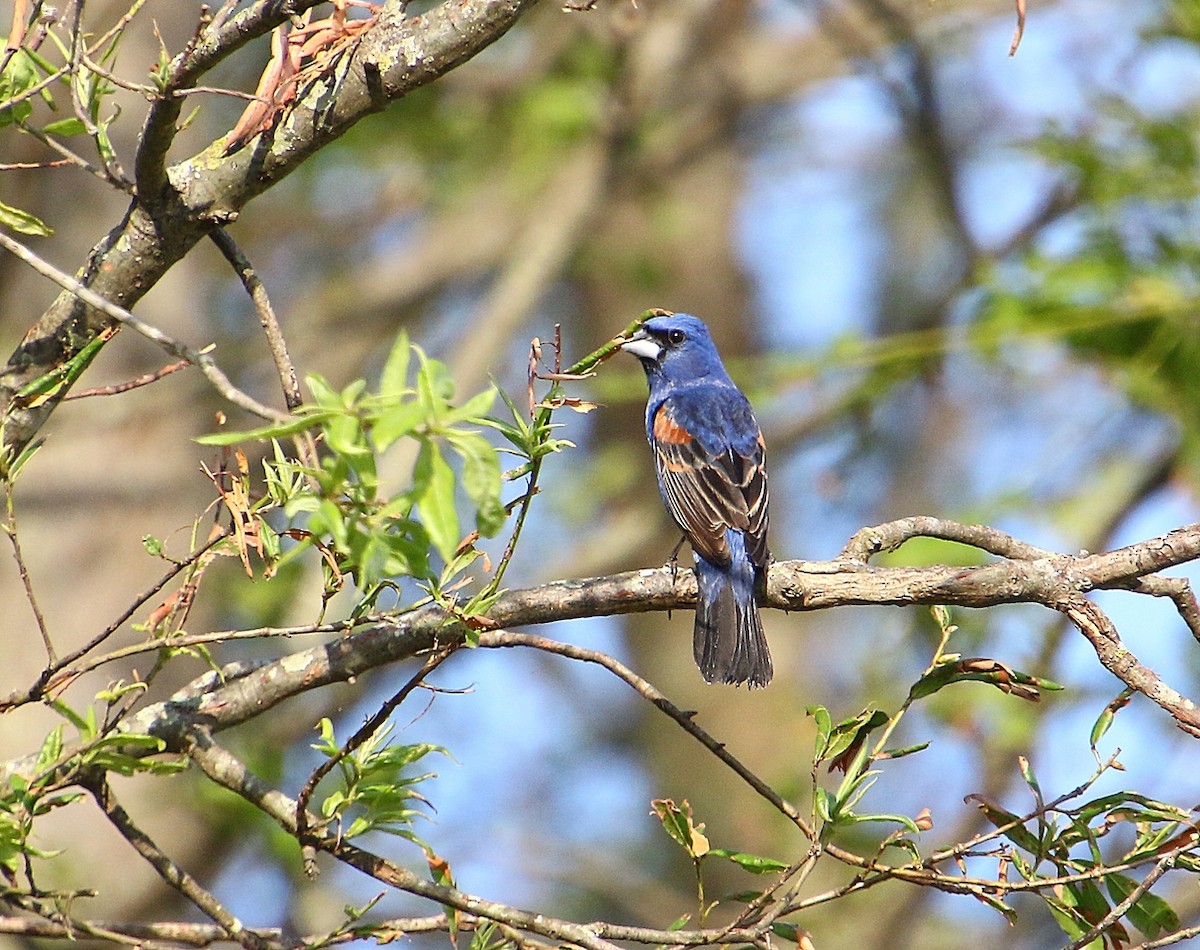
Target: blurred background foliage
952 282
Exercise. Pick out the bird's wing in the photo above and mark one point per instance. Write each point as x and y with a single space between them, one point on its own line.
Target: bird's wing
709 454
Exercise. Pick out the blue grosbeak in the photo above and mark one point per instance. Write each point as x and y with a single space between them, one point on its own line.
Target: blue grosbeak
708 452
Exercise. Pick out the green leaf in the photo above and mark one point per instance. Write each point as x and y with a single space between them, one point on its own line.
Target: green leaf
1106 717
848 737
308 420
904 844
51 749
824 724
434 387
1149 913
983 670
904 820
1031 781
902 752
86 725
481 479
393 381
853 786
27 453
677 822
1018 834
344 435
1071 922
475 408
22 221
433 489
753 863
822 804
323 394
18 77
998 905
65 128
395 423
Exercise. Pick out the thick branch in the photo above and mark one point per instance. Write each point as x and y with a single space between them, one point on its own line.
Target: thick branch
395 56
1056 581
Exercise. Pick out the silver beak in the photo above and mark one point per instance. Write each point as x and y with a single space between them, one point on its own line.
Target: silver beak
642 345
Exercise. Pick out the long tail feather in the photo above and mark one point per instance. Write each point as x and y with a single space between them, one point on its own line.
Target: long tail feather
728 641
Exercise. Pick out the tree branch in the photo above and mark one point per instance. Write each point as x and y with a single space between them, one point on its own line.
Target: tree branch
167 869
1056 581
176 208
229 772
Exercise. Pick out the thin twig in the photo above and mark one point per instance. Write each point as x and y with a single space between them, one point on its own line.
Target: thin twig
1019 31
168 870
165 933
1119 910
10 528
153 92
68 673
266 315
199 358
114 173
648 691
1178 590
33 90
126 386
69 156
32 166
1168 939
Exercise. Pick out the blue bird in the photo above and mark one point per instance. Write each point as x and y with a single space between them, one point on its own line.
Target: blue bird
709 456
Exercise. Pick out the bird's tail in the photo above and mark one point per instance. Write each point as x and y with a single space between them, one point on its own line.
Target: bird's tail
729 643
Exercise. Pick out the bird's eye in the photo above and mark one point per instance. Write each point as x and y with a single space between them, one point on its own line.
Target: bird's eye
675 337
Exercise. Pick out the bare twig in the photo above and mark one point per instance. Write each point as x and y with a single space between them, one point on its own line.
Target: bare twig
124 931
1102 634
199 358
48 680
10 529
266 315
29 166
888 537
70 157
128 385
1020 29
50 80
648 691
1168 939
1178 590
64 674
167 869
153 92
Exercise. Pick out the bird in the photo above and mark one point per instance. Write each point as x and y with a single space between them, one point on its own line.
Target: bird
710 460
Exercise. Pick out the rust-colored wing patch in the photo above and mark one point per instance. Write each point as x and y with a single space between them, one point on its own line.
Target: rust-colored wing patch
669 431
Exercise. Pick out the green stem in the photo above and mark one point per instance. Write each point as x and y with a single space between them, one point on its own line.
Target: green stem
542 423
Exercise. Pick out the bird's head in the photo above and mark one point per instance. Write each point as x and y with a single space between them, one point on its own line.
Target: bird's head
676 347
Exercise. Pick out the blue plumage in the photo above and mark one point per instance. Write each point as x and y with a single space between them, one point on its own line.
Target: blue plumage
709 457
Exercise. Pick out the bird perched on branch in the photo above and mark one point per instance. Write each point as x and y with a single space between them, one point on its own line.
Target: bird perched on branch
709 455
